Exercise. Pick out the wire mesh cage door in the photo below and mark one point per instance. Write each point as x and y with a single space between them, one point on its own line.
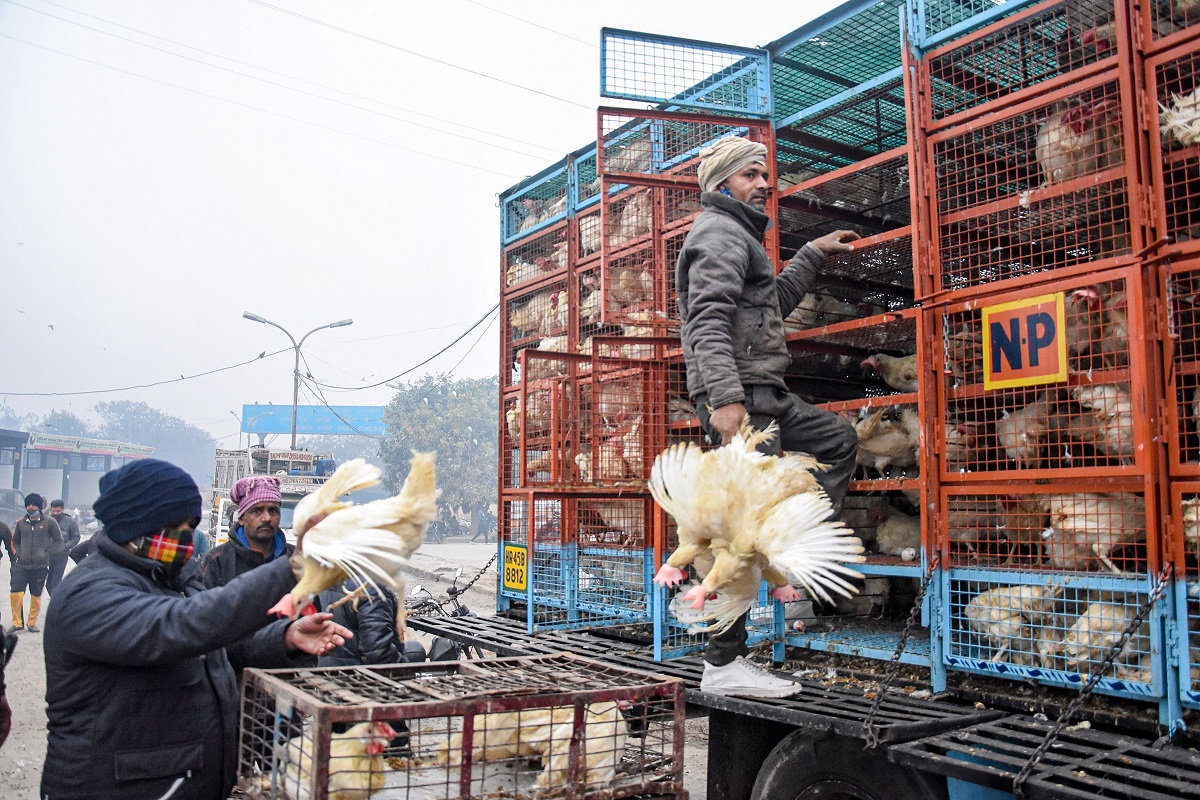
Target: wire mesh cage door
1172 111
514 727
1183 550
1182 412
1082 407
536 203
685 72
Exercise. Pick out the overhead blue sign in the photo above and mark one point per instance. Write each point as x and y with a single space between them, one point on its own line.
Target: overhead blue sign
313 419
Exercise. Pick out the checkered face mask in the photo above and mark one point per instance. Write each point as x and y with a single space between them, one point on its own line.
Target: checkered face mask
169 546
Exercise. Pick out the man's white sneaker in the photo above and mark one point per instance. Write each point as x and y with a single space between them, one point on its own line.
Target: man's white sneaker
743 678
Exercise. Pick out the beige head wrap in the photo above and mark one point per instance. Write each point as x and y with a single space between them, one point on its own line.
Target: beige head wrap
725 158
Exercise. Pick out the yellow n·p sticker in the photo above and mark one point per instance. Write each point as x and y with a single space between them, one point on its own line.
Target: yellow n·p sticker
1024 342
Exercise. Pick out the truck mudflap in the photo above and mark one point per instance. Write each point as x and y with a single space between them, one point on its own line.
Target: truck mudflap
1082 763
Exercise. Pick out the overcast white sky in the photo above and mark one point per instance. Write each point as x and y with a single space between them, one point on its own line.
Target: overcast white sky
147 199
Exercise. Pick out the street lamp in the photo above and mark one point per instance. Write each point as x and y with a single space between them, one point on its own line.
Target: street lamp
297 345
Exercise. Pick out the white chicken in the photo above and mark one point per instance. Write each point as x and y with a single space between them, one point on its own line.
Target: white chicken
1086 526
636 218
1021 433
1097 630
547 734
900 373
889 437
1180 121
1107 421
1005 615
356 763
370 542
743 516
895 531
1077 140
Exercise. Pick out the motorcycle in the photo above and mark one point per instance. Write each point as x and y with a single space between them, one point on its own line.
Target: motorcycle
421 602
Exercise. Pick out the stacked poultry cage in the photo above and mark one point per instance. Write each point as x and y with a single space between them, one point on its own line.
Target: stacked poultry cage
1042 403
534 726
1171 116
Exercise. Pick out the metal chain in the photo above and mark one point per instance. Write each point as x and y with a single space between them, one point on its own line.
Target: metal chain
479 574
1097 673
914 616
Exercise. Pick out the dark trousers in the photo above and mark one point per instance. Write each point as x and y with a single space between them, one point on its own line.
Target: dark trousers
31 578
802 428
58 565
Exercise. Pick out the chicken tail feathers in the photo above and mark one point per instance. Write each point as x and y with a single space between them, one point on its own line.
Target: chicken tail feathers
799 539
421 483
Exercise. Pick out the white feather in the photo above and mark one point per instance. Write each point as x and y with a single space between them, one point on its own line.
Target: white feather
800 540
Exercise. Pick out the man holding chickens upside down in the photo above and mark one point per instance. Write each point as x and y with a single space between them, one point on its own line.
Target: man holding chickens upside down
142 698
732 306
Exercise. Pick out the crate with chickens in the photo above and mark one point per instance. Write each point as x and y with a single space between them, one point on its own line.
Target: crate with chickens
544 420
585 177
663 147
1052 528
537 257
534 204
1041 186
872 359
539 318
585 558
1056 629
530 726
1183 550
1173 112
1037 50
1182 409
1045 381
1169 23
628 413
871 286
869 197
633 323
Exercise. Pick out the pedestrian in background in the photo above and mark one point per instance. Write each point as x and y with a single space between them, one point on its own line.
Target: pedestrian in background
34 537
69 526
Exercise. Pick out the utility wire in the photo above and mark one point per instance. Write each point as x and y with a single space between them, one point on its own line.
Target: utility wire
320 400
292 77
180 379
272 83
460 337
405 50
473 346
260 109
592 45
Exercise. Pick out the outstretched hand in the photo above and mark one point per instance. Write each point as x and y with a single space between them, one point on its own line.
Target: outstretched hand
836 242
316 634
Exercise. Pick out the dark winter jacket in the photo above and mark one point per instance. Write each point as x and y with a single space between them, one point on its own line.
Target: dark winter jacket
141 694
69 526
374 626
5 542
732 304
34 542
228 560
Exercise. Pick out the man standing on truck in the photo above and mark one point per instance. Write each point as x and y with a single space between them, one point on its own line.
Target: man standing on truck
255 538
58 556
732 306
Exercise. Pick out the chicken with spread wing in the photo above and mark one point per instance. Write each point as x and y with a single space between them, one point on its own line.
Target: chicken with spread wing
369 542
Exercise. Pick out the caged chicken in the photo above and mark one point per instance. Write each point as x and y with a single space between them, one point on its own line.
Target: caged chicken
896 533
900 373
1021 433
369 542
1086 527
888 438
1107 419
1077 140
356 764
1097 630
743 516
546 734
1005 618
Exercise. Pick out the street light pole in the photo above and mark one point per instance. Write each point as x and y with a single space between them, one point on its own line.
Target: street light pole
296 346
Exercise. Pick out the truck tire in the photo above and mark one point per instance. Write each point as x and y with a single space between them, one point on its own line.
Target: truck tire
838 768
